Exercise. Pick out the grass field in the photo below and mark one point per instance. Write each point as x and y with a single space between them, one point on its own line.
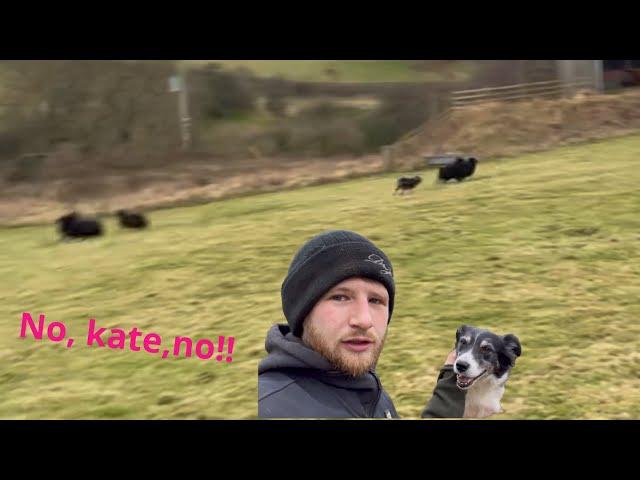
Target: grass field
345 70
544 246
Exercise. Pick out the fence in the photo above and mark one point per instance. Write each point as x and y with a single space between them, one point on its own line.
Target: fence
463 98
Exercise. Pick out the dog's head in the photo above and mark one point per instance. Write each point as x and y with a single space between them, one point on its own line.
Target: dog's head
481 353
417 179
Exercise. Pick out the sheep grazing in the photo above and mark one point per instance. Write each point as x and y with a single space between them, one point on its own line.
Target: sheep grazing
407 183
132 219
73 225
461 168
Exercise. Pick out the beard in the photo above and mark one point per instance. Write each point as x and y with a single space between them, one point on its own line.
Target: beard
354 364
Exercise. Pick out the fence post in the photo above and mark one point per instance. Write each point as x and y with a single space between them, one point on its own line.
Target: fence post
387 155
433 106
184 113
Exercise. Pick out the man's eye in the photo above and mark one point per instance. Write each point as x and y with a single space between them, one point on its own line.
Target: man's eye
376 301
339 298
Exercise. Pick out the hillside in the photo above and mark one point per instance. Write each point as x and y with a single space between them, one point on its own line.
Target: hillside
539 245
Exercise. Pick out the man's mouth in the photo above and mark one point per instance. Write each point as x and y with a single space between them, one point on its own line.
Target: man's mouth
358 344
465 382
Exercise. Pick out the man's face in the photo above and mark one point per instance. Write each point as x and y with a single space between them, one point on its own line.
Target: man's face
348 325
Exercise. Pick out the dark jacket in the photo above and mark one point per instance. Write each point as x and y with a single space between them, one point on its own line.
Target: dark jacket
295 381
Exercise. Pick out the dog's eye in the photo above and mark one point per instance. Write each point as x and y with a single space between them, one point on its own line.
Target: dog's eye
463 341
485 349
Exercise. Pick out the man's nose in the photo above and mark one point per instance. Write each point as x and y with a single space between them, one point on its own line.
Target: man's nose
361 315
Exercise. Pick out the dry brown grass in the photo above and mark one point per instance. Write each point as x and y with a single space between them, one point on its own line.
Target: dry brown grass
512 128
68 179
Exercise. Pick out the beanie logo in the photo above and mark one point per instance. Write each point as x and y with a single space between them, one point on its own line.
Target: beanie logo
378 260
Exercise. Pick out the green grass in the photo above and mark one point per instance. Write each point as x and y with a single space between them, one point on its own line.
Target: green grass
544 246
346 70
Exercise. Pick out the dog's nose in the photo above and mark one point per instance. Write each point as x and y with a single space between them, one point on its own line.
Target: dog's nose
462 366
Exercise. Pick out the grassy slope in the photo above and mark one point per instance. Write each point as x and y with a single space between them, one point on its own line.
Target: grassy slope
543 246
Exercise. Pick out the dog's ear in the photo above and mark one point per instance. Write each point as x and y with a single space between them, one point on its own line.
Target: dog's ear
512 343
512 350
460 332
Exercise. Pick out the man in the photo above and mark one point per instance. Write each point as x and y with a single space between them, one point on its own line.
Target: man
337 297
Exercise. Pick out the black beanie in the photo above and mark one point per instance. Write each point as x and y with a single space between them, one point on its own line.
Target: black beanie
325 261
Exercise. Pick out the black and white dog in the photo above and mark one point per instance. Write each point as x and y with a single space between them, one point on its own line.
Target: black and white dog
483 363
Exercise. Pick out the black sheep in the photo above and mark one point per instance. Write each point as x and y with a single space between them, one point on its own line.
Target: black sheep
132 219
74 226
407 183
459 169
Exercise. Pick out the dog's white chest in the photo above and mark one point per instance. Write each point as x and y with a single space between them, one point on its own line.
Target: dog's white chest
483 399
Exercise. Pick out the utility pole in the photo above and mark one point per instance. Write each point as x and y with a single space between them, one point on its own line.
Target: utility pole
599 75
178 84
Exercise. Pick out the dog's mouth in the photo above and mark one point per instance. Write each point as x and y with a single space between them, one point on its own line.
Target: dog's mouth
463 382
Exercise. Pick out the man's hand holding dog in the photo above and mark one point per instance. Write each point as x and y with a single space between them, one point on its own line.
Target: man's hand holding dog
451 358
